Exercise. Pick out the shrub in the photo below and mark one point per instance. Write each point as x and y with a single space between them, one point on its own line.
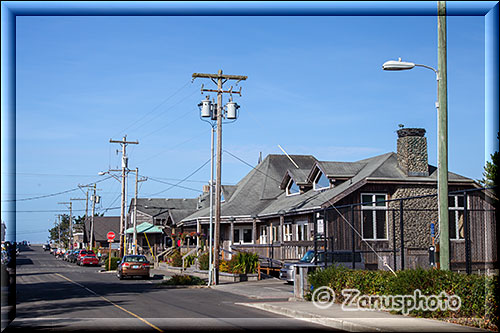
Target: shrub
184 280
478 293
203 261
244 263
175 259
189 260
224 266
114 263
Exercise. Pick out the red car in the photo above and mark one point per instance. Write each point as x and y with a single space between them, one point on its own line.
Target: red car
89 259
83 253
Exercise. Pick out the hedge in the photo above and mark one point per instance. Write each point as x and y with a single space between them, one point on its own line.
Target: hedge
114 263
478 293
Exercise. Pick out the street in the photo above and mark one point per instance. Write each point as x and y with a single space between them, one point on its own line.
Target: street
53 294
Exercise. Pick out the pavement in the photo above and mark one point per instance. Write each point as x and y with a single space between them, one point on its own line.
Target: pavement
274 295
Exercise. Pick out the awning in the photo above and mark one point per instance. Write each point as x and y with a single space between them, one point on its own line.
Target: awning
147 228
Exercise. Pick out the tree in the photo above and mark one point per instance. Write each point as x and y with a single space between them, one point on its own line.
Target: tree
62 229
490 174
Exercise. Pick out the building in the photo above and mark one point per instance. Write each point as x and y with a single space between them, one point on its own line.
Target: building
381 207
102 225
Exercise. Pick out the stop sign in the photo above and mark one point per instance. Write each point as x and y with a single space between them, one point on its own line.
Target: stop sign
111 235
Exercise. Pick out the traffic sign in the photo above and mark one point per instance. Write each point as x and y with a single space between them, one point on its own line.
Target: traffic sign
111 235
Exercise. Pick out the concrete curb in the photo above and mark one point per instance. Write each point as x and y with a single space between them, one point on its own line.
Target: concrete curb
313 318
159 285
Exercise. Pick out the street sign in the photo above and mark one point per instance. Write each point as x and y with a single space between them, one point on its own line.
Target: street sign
111 235
321 226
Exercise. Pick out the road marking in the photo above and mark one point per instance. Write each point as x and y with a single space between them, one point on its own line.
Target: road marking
119 307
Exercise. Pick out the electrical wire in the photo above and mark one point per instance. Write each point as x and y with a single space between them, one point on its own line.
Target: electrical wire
191 174
53 194
184 187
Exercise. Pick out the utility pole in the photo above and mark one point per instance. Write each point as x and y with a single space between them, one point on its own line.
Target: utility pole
444 240
70 222
86 200
95 199
137 180
124 170
219 79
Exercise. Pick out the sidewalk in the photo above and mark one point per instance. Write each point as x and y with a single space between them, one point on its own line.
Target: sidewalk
358 321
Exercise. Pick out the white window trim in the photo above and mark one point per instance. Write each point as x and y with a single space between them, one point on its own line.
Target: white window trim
263 235
240 230
288 186
374 208
318 176
457 209
287 235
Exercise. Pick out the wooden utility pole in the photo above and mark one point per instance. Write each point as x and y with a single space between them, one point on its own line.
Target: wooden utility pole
444 240
124 171
93 198
70 221
137 180
219 79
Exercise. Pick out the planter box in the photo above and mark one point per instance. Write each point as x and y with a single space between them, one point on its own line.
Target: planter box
227 277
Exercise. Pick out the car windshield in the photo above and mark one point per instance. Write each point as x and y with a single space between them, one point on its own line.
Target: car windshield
135 259
308 257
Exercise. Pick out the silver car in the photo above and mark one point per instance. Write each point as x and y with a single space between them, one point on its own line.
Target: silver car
343 258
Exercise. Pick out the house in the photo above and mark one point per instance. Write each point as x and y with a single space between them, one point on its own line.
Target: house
156 219
102 225
383 207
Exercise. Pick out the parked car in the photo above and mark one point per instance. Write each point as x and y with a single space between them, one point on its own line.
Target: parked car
72 255
81 254
343 258
133 265
89 259
46 247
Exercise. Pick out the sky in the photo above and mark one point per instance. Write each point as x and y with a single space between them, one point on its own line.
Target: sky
315 86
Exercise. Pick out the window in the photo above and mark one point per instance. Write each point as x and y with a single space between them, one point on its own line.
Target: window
263 234
242 235
321 182
374 216
287 232
274 233
292 188
301 231
456 216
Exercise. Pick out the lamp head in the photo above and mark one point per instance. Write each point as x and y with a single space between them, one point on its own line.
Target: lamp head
393 65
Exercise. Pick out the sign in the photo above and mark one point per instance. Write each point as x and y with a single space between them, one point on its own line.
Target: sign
75 245
111 235
433 232
321 226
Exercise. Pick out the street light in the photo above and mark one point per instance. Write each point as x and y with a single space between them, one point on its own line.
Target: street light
393 65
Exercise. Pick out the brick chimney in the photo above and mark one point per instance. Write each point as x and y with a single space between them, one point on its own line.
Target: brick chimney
412 151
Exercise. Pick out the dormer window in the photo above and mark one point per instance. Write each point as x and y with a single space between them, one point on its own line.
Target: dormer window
321 182
292 188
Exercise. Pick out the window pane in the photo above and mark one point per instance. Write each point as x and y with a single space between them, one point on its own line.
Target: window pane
451 201
452 225
460 200
366 198
293 188
236 234
380 199
381 230
322 182
247 235
461 230
367 224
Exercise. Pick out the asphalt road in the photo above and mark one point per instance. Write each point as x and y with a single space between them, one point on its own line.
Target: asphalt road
53 294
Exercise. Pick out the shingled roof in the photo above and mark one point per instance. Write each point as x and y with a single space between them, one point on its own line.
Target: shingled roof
259 192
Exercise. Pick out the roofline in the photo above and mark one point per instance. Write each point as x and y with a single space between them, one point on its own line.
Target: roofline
417 181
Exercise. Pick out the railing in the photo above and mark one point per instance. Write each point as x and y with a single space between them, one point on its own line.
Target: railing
188 254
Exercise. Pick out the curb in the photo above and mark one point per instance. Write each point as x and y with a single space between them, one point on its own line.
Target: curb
181 287
313 318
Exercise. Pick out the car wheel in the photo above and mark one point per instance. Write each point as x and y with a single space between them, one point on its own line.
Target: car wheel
120 276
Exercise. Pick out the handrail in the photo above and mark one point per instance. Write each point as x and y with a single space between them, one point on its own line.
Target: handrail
188 254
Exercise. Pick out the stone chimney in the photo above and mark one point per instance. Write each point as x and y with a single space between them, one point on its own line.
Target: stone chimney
412 151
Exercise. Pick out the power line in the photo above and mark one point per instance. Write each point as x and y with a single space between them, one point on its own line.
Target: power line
53 194
154 109
184 187
191 174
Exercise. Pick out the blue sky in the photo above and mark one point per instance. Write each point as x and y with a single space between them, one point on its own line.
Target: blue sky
315 86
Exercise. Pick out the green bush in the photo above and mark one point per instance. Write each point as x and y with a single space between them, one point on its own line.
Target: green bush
203 261
244 263
189 260
478 293
114 263
175 259
184 280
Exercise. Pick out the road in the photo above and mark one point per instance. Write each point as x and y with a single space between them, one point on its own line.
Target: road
53 294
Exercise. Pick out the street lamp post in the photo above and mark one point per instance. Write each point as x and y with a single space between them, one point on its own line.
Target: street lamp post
442 141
